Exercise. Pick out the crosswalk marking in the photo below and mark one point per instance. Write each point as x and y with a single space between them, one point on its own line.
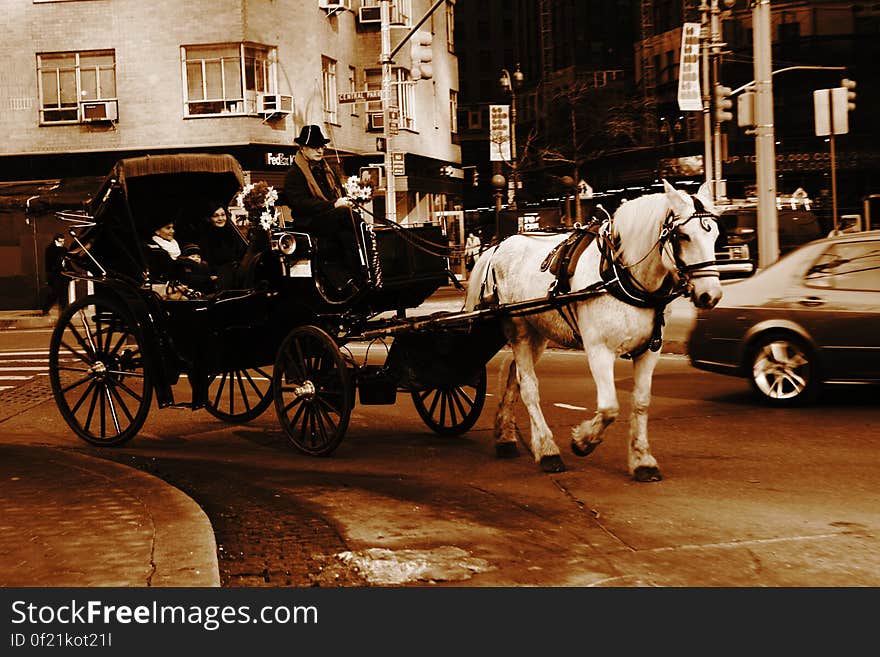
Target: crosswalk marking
18 367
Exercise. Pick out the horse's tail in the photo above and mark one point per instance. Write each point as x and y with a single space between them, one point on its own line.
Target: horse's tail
481 281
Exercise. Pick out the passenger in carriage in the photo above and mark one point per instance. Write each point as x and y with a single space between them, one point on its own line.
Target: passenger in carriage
314 195
193 272
222 246
162 250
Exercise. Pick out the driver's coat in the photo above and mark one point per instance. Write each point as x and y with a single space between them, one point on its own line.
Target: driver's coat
621 331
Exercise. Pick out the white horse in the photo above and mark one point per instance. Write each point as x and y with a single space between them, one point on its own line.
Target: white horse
655 248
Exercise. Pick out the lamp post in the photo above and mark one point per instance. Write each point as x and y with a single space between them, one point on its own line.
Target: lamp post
510 83
498 183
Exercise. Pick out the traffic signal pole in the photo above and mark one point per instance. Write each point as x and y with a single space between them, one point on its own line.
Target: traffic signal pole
765 146
708 160
385 58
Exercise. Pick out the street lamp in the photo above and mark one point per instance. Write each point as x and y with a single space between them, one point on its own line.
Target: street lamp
510 83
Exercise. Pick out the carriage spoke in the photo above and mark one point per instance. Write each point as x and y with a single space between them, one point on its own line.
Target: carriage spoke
220 391
82 356
324 406
296 401
122 404
88 331
95 394
77 383
131 392
83 397
122 338
134 375
244 397
103 414
253 385
318 422
442 396
112 408
296 416
436 399
457 396
89 351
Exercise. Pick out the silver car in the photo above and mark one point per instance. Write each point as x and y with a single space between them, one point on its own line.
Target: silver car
811 318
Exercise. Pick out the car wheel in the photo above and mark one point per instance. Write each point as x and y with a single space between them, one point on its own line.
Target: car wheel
784 370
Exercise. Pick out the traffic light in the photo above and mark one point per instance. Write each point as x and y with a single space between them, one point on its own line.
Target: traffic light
421 53
723 103
475 181
850 86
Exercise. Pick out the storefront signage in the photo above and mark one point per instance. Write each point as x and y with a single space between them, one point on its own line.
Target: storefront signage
279 159
499 133
689 97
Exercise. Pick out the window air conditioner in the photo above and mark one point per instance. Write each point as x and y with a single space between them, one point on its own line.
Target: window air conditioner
96 111
376 121
332 7
370 15
271 104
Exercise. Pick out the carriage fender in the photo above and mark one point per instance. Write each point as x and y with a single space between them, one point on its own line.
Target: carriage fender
770 325
156 353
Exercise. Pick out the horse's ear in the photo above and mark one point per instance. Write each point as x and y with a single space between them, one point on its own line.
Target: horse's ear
705 197
676 201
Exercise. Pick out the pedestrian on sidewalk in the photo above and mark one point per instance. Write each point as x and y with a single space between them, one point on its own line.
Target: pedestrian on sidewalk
53 260
471 249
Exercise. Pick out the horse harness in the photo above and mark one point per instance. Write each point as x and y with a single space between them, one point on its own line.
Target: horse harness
617 279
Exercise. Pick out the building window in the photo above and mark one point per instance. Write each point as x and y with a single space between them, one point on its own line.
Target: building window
403 94
69 78
401 10
450 25
453 112
331 99
352 87
226 78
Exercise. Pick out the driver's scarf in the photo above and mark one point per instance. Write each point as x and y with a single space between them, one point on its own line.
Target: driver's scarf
303 164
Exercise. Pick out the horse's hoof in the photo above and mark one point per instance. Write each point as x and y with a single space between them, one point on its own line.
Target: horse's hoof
586 450
647 474
552 463
506 450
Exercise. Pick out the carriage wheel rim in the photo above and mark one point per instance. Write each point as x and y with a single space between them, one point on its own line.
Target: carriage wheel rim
780 370
97 373
451 410
312 372
241 394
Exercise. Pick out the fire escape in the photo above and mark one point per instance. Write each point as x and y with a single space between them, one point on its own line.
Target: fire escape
649 72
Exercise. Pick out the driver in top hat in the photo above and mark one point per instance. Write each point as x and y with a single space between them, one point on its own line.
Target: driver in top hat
319 208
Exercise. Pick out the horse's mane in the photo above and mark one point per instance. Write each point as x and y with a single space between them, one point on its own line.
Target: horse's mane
637 223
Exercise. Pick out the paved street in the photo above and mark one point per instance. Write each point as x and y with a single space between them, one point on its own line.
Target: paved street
751 496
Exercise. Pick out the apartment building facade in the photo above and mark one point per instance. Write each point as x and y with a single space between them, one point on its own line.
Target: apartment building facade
87 82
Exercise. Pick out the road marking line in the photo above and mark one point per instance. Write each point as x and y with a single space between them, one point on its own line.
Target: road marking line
22 369
24 360
570 407
6 387
755 541
15 378
44 352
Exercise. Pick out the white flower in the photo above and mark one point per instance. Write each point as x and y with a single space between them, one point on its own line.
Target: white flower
267 219
355 191
271 198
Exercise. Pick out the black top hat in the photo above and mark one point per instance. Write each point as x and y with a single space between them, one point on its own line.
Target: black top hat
311 136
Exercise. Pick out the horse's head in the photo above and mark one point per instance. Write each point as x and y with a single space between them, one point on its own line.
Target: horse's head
688 241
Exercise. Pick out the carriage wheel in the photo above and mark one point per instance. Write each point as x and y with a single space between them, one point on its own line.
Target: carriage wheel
452 411
313 391
239 394
97 371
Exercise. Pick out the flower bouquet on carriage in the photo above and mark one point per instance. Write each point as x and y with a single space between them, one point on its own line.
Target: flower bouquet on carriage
261 216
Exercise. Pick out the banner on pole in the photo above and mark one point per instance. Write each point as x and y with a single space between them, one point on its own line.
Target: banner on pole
689 96
499 133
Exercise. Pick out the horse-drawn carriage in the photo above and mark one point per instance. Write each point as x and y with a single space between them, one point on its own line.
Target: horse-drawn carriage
279 335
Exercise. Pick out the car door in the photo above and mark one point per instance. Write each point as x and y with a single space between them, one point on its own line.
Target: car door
838 303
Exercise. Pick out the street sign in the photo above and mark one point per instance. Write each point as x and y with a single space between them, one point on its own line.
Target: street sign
499 133
689 97
393 121
832 116
398 167
358 96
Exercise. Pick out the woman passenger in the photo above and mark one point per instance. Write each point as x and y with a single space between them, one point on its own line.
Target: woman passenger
222 246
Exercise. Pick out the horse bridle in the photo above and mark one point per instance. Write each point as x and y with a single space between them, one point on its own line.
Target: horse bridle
670 233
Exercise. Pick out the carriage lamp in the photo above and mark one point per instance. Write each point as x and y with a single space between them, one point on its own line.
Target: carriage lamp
285 243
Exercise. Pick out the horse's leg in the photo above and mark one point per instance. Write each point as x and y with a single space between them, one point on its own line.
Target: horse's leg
526 350
586 436
506 431
642 464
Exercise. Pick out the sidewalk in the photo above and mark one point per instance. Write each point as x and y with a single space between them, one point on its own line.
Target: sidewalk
67 519
27 319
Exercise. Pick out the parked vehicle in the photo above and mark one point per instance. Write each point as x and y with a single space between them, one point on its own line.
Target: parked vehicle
737 254
811 318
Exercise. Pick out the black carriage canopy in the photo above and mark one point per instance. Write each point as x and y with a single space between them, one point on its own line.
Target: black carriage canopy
142 194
